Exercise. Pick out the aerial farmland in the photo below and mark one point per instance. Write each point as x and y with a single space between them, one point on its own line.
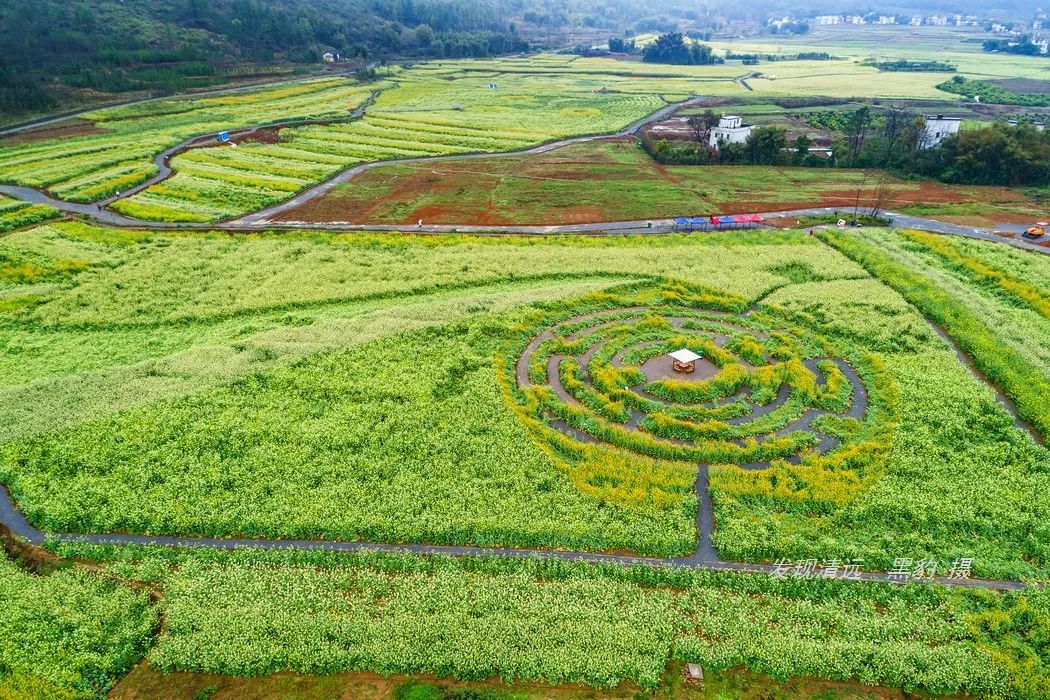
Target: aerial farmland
504 376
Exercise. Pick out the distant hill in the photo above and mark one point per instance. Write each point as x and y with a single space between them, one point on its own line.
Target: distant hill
49 47
54 53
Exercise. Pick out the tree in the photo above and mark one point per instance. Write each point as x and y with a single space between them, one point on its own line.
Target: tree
765 145
701 125
672 48
802 144
857 133
424 35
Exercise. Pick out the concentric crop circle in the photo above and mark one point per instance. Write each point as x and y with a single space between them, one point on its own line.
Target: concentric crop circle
756 394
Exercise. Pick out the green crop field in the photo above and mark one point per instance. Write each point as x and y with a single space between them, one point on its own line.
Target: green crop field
303 462
424 115
344 387
116 147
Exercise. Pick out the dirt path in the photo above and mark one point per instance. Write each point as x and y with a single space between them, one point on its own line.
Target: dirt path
742 81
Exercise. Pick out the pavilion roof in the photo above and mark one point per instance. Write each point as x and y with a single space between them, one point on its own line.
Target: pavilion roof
684 355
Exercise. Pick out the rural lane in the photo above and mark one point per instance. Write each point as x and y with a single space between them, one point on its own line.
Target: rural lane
12 519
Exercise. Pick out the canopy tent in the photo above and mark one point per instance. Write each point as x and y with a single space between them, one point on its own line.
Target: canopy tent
746 219
683 360
687 223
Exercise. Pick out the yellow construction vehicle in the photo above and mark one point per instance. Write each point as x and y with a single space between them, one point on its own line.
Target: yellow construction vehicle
1036 232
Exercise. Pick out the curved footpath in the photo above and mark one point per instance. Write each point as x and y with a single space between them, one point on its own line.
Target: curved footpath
162 159
704 557
99 212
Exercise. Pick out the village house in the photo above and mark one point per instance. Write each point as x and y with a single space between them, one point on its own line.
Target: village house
730 129
937 128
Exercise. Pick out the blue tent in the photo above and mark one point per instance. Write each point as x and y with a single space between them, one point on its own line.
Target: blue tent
698 221
681 221
223 136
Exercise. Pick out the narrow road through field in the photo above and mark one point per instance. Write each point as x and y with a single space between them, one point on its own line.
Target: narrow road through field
162 159
264 215
742 81
257 222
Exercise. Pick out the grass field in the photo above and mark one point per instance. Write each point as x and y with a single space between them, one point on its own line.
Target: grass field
348 386
515 392
232 393
617 181
112 149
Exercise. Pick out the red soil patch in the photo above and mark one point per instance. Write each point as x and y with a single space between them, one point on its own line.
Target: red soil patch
470 192
436 214
268 134
998 217
63 130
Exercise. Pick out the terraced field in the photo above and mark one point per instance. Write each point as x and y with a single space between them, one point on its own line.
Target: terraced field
116 149
425 115
15 214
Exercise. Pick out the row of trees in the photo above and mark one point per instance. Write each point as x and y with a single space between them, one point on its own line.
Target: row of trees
766 145
1024 46
674 49
896 141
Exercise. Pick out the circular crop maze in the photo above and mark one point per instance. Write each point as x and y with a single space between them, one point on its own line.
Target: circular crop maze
745 391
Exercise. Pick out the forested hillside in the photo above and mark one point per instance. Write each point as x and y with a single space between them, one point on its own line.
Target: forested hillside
112 46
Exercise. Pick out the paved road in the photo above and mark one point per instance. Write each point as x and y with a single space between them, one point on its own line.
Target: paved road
742 81
13 519
257 221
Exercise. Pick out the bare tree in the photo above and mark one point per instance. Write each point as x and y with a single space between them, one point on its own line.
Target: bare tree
701 125
857 133
897 123
880 194
861 187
